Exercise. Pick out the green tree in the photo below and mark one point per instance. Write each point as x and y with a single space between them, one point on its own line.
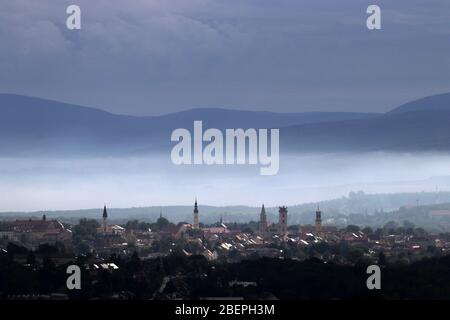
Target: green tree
85 230
352 228
368 231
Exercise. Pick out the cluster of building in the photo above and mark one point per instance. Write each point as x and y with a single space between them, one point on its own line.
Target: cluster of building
217 241
35 232
271 238
211 241
110 235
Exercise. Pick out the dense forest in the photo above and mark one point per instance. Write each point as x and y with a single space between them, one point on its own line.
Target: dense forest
193 277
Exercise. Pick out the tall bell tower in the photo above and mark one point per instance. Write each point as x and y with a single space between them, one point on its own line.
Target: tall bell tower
282 220
318 219
105 219
262 221
196 224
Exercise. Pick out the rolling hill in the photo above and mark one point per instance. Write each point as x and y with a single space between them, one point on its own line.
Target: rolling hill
38 127
33 126
421 125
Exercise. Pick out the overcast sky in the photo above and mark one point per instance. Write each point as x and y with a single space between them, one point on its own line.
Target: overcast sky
155 56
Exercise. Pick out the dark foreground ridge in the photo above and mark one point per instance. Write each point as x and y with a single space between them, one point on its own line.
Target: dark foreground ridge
194 278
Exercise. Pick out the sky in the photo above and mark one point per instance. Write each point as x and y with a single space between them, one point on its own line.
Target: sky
150 57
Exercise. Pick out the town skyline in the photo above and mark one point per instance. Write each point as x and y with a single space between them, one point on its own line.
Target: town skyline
106 250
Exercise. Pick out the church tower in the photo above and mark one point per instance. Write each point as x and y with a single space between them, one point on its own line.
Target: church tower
105 219
196 224
318 219
282 220
262 221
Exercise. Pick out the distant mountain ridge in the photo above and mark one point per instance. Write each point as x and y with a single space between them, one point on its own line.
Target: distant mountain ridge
420 125
33 126
439 102
30 126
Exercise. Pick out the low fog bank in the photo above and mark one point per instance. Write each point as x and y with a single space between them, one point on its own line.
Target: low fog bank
71 184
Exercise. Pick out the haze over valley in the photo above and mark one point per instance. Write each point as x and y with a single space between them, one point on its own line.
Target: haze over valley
57 156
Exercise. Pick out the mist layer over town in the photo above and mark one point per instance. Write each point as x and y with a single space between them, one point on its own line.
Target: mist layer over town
60 184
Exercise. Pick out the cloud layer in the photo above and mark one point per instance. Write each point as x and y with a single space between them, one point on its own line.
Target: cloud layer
155 56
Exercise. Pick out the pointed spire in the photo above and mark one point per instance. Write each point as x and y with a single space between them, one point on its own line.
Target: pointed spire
263 221
196 224
44 218
195 205
105 213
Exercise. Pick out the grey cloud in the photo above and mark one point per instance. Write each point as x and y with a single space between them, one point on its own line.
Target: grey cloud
152 57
